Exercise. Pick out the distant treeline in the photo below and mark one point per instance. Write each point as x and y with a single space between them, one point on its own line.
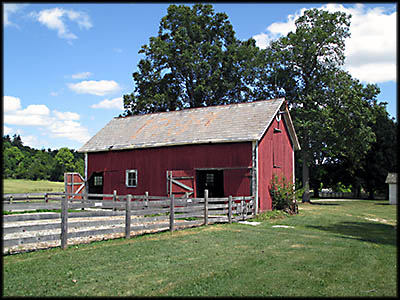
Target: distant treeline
24 162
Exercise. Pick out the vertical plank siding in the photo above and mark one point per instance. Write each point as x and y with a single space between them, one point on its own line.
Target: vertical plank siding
152 165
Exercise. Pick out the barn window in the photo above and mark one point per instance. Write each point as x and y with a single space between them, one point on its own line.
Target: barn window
131 178
210 179
98 180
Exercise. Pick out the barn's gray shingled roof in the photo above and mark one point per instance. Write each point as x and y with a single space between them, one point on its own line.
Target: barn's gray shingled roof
391 178
215 124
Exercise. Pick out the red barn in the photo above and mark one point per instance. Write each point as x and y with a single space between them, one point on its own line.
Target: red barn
228 149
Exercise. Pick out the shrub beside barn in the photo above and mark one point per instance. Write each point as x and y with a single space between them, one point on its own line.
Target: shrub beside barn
228 149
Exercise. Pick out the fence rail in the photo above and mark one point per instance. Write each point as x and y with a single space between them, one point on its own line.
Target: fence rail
123 214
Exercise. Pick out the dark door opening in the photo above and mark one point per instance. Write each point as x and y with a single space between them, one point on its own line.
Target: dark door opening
96 183
211 180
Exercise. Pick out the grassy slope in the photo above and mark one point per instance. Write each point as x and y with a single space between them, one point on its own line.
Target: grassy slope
334 249
30 186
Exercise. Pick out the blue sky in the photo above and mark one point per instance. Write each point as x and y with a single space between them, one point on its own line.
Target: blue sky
66 66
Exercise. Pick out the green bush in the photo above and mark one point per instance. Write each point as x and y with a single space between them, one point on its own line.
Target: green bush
283 194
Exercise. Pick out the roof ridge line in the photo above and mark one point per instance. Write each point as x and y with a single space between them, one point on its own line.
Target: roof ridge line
200 107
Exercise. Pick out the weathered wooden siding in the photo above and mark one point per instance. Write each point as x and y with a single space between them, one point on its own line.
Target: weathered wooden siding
152 164
275 156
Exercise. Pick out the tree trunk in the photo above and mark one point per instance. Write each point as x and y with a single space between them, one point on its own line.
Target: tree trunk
316 186
371 194
306 178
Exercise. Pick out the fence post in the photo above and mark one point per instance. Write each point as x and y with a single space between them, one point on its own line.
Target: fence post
242 208
11 199
230 210
46 198
85 194
114 200
82 200
64 222
172 213
146 198
205 207
65 184
128 217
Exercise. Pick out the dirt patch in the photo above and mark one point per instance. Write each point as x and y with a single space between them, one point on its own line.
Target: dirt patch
297 246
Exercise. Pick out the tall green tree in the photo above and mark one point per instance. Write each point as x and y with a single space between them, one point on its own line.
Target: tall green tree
65 161
194 61
12 157
325 102
382 156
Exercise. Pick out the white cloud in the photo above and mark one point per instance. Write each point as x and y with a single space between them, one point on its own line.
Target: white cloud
56 18
69 129
54 124
116 103
7 130
276 30
99 88
118 50
33 115
31 141
66 115
262 40
8 10
11 103
82 75
36 109
371 49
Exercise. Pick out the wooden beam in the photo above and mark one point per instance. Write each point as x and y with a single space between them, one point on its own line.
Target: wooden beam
205 207
128 217
230 210
64 223
181 185
171 214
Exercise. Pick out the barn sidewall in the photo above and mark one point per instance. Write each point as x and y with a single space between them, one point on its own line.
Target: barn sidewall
152 164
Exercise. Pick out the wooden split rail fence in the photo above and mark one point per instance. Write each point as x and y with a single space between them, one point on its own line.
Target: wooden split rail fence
90 216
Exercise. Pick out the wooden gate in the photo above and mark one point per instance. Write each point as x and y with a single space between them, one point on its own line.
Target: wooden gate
74 184
180 183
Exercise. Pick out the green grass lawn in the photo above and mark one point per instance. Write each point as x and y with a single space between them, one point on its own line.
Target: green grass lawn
334 249
17 186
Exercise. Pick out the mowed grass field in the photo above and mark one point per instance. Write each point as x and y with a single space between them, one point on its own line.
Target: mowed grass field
17 186
334 249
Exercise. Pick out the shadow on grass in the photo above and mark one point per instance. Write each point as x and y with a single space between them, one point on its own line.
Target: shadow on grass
369 232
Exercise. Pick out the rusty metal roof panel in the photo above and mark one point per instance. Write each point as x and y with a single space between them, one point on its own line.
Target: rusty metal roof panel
215 124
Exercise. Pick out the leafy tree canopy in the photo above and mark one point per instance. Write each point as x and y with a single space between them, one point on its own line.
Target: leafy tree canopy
331 111
194 61
23 162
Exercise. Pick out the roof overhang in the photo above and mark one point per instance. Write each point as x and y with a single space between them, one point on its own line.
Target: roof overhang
120 147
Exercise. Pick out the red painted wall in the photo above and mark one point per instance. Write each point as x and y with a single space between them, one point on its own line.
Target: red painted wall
273 149
152 164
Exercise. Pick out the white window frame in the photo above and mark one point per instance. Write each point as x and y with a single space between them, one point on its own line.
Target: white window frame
96 180
127 173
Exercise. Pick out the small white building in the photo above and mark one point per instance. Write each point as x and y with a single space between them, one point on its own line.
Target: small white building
391 179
